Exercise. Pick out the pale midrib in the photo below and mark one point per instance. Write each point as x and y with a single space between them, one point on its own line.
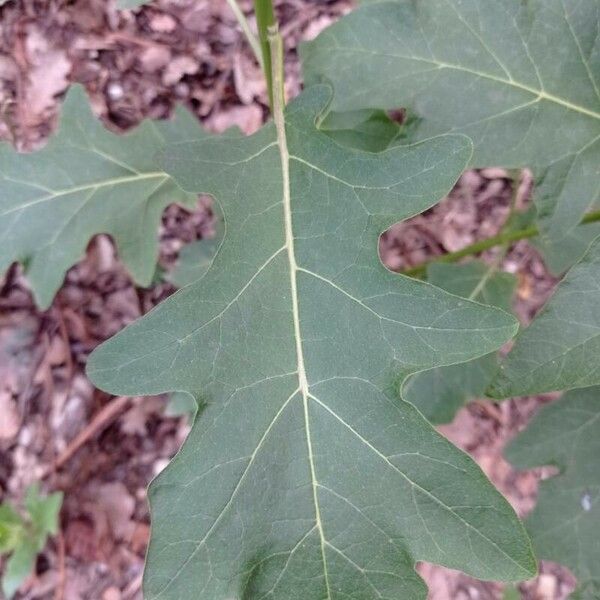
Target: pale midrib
278 117
540 94
87 187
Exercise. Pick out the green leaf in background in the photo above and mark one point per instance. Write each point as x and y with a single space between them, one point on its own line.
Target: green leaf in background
372 131
560 350
86 181
477 279
305 476
43 512
511 593
560 255
440 393
128 4
566 520
25 537
11 528
195 258
520 78
19 567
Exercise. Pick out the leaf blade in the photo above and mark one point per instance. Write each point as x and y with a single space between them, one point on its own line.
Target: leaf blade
271 459
565 520
489 76
440 393
86 181
559 350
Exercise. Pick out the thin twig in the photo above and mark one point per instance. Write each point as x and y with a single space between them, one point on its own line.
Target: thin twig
133 588
100 422
507 237
516 182
252 39
59 591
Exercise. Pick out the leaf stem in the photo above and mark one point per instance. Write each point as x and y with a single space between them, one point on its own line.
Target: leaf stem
504 237
265 18
252 40
276 44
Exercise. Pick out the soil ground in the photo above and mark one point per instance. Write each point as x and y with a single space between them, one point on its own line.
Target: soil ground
102 451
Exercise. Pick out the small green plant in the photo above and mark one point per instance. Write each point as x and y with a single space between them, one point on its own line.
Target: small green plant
24 533
312 470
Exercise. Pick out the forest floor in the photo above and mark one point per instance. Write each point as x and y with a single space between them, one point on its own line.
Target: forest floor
103 451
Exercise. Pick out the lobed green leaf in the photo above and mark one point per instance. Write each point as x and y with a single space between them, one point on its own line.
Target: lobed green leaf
87 181
565 522
440 393
560 350
304 476
519 78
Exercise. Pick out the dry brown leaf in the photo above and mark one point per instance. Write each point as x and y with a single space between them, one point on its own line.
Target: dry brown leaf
47 76
133 422
163 23
177 68
247 118
10 421
111 593
115 501
248 79
154 58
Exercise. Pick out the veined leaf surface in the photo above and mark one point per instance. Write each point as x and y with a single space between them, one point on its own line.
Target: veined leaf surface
439 393
522 79
561 255
560 350
86 181
304 476
565 523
